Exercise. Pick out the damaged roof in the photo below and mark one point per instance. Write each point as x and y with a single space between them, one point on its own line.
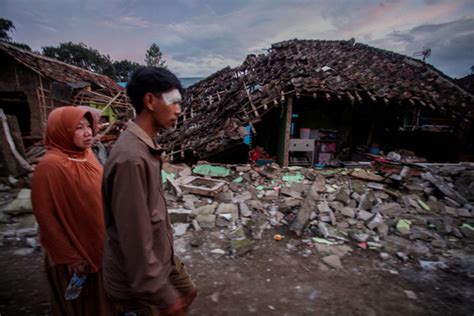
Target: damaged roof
55 70
216 109
466 82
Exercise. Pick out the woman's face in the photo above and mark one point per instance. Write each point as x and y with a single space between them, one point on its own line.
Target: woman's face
83 137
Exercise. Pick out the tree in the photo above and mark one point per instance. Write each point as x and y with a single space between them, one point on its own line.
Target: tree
124 69
154 57
7 26
82 56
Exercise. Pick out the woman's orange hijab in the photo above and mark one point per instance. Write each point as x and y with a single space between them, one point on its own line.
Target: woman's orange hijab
66 193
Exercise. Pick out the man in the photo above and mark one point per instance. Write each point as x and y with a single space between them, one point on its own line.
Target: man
141 273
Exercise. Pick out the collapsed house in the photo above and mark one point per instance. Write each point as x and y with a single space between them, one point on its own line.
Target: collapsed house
311 101
31 86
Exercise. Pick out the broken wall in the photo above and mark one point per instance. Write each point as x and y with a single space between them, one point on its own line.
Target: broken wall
15 77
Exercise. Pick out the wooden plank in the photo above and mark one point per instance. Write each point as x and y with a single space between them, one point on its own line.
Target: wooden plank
444 188
11 144
250 100
201 186
289 112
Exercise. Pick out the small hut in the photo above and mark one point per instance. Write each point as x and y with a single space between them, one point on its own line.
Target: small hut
31 86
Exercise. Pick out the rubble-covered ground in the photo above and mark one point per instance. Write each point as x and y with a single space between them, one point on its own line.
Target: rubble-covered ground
382 239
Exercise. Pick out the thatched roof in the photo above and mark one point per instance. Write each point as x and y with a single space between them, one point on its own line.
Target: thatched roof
216 107
55 70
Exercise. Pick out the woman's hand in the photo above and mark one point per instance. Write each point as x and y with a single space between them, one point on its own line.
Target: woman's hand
79 267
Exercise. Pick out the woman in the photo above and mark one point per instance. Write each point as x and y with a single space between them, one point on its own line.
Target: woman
66 197
98 148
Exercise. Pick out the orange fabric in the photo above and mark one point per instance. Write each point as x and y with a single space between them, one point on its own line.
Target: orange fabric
66 194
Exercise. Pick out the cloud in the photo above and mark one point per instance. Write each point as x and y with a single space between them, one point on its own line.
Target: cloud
451 43
47 28
126 23
200 66
213 33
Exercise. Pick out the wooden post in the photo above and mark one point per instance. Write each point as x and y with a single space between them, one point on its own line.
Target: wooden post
289 114
284 132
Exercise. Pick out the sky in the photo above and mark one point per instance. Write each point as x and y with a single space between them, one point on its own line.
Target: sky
199 37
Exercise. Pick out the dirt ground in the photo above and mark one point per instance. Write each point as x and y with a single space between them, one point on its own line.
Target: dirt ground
278 278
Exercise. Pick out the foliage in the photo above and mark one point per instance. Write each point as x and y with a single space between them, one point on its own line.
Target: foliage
82 56
124 69
154 56
7 26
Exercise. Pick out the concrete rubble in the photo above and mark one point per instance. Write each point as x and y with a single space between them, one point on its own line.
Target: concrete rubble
416 218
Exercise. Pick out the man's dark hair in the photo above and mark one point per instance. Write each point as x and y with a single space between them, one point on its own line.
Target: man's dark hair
150 79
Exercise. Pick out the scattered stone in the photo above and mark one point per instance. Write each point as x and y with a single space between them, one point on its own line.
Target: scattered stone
360 237
225 197
189 200
241 246
402 256
367 201
467 230
333 261
291 193
23 251
245 168
323 207
179 215
411 295
343 196
271 195
205 209
244 210
348 212
463 212
358 186
225 220
432 265
27 232
375 221
403 227
32 242
364 215
336 206
206 220
309 204
388 209
384 256
242 198
180 229
22 203
382 230
218 251
352 204
196 225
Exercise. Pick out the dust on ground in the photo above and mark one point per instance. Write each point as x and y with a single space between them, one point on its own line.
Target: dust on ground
286 277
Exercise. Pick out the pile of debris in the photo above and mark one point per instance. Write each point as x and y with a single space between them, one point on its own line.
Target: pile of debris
420 212
417 211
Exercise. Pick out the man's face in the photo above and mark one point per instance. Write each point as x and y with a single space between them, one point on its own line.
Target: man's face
167 108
